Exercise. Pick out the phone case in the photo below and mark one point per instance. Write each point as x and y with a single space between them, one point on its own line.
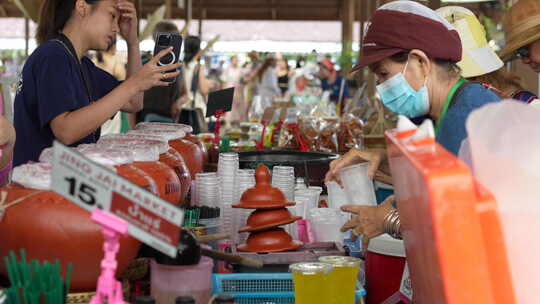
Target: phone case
165 40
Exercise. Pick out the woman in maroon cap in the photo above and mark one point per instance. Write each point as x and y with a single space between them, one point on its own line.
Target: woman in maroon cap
413 52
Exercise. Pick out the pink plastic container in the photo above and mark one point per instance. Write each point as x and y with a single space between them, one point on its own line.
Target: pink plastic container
169 282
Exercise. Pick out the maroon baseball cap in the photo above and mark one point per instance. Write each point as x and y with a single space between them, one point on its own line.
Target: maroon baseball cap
401 26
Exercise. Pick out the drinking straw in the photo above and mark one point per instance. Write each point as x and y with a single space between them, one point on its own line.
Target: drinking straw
30 280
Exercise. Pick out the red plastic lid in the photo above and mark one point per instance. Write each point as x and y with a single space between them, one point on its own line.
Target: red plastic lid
35 175
260 220
263 195
275 240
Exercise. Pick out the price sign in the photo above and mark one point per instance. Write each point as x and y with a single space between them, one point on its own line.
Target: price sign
152 220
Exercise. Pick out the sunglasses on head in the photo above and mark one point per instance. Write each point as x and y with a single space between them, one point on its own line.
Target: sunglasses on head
523 52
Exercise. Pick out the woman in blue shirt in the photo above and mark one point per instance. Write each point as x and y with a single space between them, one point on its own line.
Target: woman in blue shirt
61 94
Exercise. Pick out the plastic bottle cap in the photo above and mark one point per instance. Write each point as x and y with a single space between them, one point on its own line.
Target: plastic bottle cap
145 300
164 125
185 300
158 141
167 134
142 152
106 157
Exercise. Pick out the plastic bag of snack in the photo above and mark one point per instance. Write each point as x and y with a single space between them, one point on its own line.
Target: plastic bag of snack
350 134
328 140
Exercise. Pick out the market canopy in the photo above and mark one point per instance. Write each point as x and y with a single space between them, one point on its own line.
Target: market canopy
226 9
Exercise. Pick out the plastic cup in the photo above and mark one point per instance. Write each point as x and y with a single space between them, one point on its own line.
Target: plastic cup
358 185
337 197
342 278
311 282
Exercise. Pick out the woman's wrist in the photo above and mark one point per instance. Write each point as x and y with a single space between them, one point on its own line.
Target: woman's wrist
392 224
131 88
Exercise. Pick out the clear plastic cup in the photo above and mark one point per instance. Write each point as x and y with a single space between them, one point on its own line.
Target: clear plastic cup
311 282
358 186
343 278
326 224
337 197
314 196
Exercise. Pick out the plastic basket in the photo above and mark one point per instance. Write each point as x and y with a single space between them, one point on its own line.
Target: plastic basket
259 288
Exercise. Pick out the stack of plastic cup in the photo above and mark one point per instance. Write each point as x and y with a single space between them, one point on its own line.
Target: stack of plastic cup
227 168
313 196
357 184
245 179
283 179
207 189
305 199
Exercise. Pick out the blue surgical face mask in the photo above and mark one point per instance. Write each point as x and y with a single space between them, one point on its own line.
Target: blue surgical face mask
399 97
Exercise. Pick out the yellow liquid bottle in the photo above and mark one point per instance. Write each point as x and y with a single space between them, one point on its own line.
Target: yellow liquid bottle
311 283
343 278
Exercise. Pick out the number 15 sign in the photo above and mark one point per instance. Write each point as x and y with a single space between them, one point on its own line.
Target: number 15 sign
151 220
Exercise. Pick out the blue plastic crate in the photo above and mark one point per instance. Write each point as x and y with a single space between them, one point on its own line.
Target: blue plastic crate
259 288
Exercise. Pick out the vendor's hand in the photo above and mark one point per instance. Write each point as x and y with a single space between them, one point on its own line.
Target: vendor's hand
152 75
128 21
369 220
355 156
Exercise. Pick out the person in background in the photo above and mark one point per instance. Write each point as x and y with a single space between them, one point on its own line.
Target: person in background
300 61
61 94
522 29
163 103
267 80
215 82
232 73
232 76
283 73
480 63
333 82
195 81
417 74
113 64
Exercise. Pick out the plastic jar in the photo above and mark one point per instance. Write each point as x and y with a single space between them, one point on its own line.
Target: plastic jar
50 227
122 162
167 155
146 158
169 282
174 126
191 154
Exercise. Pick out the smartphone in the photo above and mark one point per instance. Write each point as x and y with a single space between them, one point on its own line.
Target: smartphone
165 40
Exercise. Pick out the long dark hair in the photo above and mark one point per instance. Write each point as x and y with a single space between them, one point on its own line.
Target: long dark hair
54 15
192 46
266 64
